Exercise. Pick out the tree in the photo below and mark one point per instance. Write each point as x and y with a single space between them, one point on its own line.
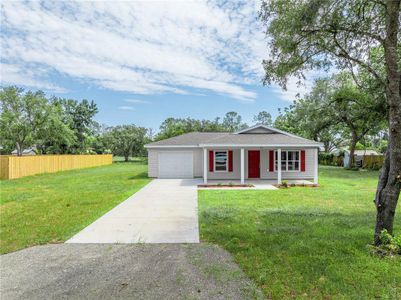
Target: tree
177 126
232 121
312 118
21 116
360 113
316 34
29 119
263 118
54 135
125 140
79 117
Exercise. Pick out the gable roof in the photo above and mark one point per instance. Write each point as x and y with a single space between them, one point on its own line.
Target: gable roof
246 138
263 129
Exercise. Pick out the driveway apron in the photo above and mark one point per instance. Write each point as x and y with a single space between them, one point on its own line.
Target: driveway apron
164 211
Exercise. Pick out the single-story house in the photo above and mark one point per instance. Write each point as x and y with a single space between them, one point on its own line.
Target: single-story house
252 153
358 156
30 151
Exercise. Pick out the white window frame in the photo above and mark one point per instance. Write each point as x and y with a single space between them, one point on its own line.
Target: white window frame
214 161
275 162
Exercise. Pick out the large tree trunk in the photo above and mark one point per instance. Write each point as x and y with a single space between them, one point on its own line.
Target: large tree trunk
388 188
126 156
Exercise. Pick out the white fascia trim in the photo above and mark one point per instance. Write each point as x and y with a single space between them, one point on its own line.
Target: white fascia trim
260 146
234 145
250 128
170 146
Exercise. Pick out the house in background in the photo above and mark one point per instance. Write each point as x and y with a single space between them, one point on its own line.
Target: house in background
358 155
258 152
25 152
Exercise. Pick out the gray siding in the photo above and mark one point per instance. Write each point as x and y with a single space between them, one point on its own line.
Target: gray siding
153 161
310 163
309 166
235 174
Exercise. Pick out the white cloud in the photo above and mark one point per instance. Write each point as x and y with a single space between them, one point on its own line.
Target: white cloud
136 101
126 108
139 47
15 75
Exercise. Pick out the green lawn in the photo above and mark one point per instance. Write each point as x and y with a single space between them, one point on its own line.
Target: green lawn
50 208
305 242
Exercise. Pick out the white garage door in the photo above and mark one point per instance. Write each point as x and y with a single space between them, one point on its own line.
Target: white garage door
176 165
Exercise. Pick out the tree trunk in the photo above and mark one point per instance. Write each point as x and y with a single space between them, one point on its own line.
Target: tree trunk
354 140
19 149
389 185
126 157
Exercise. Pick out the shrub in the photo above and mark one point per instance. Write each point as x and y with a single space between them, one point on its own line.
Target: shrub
390 245
329 159
373 162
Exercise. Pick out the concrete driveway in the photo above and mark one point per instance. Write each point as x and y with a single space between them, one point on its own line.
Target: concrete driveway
164 211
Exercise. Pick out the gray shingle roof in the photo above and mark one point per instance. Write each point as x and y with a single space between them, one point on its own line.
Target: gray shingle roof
194 139
188 139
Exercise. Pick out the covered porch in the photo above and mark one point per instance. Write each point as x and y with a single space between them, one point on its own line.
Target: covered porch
259 165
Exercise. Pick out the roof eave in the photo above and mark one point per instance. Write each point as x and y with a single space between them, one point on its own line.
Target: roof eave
148 146
237 146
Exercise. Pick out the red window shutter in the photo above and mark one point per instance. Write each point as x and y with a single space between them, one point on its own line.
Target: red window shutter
271 161
230 161
211 160
303 161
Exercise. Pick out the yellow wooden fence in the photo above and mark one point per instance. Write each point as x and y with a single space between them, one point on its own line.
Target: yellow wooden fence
374 162
19 166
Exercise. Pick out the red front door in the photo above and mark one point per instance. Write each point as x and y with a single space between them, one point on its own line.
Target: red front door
253 164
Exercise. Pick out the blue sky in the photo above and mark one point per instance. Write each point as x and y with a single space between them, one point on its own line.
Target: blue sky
143 62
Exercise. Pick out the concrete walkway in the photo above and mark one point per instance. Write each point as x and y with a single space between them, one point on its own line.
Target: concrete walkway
164 211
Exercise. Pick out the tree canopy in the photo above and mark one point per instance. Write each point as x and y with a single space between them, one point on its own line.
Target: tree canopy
359 35
126 140
29 119
263 118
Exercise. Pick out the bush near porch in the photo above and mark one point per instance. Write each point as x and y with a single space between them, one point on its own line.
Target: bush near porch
305 243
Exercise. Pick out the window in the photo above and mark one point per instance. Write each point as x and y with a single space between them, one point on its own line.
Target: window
289 160
220 161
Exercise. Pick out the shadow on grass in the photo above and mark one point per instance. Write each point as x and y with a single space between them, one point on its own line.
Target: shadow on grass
138 162
142 175
135 160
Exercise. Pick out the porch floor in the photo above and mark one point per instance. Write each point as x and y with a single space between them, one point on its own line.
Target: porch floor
258 184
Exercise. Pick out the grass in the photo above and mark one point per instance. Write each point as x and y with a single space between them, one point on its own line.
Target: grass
305 242
50 208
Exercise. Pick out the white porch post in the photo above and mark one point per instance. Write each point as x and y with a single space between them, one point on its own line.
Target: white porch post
242 166
279 166
204 165
315 177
